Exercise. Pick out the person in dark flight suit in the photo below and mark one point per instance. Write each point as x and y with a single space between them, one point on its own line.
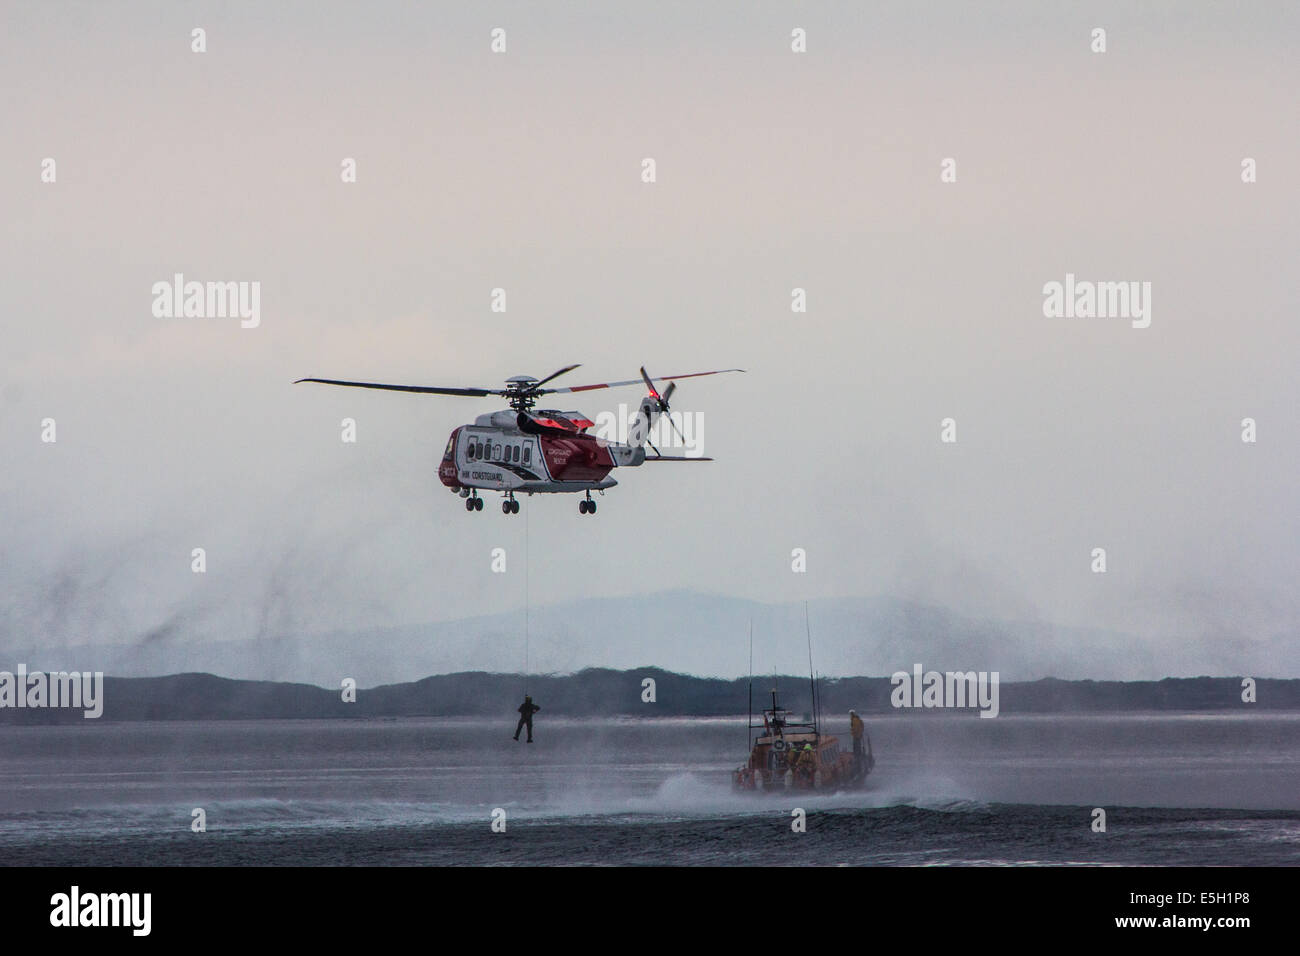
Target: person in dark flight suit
526 711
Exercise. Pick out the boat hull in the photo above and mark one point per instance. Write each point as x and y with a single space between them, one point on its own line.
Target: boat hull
809 762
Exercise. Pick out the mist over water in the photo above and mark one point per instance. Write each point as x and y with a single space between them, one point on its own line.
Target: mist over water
1213 788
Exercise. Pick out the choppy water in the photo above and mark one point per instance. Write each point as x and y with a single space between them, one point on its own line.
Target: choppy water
1189 789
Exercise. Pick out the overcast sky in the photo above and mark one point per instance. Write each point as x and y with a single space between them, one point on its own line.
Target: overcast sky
775 170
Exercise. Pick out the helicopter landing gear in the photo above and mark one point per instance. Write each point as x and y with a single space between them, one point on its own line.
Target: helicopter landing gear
474 502
509 506
586 506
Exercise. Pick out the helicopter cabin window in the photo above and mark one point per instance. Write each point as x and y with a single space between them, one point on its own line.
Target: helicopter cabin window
527 453
469 450
516 453
496 453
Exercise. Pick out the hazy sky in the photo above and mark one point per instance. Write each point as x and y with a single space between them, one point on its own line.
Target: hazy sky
775 170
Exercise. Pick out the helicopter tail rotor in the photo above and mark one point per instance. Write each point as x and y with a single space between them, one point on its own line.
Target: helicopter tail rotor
652 406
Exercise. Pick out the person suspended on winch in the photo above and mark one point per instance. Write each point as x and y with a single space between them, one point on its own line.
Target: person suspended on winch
526 711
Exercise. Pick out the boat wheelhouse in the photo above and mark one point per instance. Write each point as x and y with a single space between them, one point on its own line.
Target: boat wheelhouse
790 754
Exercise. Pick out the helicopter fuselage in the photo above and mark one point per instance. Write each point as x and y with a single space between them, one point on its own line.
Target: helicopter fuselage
542 452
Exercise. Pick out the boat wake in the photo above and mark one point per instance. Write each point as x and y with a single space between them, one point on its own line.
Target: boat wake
689 795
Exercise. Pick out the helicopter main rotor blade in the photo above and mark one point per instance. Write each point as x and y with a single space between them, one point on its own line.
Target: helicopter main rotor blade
426 389
669 378
567 368
637 381
532 388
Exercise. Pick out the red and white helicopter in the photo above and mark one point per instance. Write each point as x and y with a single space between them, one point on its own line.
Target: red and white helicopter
526 450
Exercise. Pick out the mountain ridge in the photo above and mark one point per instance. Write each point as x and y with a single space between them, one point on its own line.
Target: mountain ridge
604 692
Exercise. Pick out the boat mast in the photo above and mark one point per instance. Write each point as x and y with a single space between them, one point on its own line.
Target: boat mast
749 724
812 683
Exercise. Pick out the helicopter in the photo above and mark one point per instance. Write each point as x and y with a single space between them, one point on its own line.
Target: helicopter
528 450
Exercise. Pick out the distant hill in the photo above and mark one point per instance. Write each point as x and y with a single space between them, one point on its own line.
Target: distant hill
684 631
598 692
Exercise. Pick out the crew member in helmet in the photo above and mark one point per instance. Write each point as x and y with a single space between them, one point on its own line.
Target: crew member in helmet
855 728
807 765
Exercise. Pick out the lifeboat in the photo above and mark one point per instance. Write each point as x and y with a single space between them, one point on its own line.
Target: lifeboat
794 755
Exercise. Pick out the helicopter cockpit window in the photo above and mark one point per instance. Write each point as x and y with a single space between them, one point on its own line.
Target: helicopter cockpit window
451 444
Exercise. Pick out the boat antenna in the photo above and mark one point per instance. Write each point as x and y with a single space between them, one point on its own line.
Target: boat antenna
749 724
812 682
818 684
